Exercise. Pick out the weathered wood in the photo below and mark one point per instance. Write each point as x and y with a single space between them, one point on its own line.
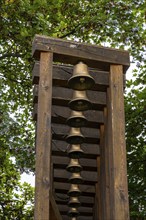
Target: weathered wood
106 164
64 187
65 129
65 217
95 118
85 201
98 191
60 115
61 74
116 146
62 96
63 199
54 211
83 211
62 162
43 139
90 178
71 52
62 137
60 148
64 191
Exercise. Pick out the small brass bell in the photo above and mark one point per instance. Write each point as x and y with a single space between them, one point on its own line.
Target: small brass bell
77 119
76 178
75 151
74 202
73 212
74 166
75 136
74 191
80 102
81 80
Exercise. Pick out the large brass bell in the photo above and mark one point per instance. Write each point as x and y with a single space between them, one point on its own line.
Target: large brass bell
74 191
73 212
76 178
81 80
80 102
74 202
75 151
74 166
77 119
75 136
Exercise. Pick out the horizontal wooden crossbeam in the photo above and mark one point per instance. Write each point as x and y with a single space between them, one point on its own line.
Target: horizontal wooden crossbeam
62 73
62 162
71 52
90 178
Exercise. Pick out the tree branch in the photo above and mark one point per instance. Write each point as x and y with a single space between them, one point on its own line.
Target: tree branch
71 32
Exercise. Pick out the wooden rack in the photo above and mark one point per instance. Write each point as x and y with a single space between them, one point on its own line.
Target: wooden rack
104 190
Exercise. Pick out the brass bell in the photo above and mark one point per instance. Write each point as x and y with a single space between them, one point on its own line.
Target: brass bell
74 166
81 80
77 119
75 136
76 178
74 202
80 102
73 212
74 191
75 151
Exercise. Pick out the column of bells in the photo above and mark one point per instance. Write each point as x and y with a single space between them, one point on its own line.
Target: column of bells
79 82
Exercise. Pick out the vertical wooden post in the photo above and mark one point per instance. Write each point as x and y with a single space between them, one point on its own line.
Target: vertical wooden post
43 139
104 173
98 192
119 206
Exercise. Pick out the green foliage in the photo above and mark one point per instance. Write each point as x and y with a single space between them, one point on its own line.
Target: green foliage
16 199
120 24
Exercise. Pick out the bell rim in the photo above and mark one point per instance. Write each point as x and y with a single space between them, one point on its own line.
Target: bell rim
74 204
74 78
80 180
80 154
71 194
80 140
68 168
88 105
76 214
70 122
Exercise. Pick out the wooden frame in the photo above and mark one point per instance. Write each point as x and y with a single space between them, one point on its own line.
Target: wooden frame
104 161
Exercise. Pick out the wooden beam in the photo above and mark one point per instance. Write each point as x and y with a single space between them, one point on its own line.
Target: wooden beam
83 211
65 217
62 96
60 114
116 146
87 190
71 52
60 148
63 199
62 162
43 139
62 73
54 211
90 178
85 201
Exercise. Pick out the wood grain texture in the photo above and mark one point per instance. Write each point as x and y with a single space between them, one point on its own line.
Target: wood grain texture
54 211
62 73
43 139
71 52
117 147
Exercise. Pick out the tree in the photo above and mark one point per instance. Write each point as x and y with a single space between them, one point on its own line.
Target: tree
119 23
16 199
